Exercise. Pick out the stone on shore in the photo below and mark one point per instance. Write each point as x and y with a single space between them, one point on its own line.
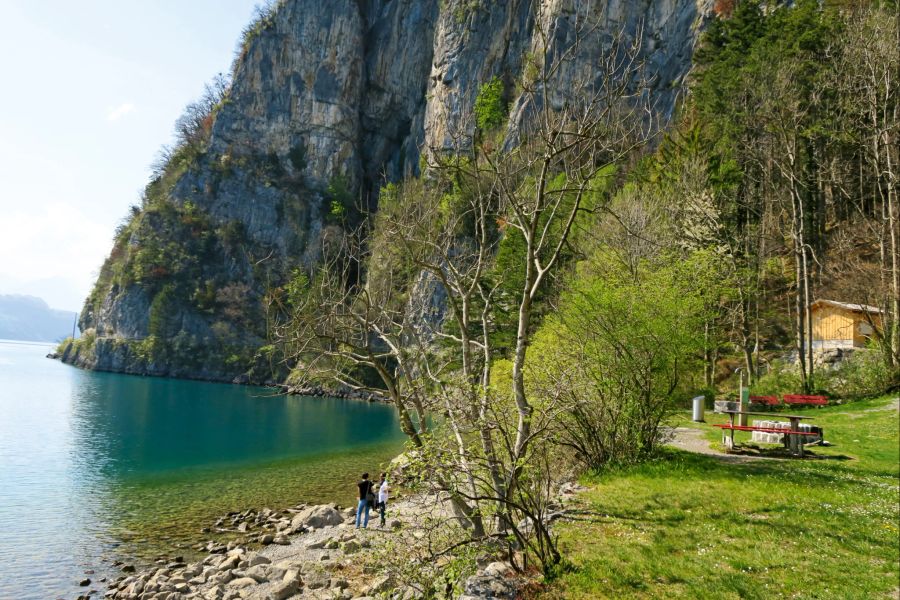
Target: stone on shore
498 569
284 590
259 573
242 582
317 517
317 579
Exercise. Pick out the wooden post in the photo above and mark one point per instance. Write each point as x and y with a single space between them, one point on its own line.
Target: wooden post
743 399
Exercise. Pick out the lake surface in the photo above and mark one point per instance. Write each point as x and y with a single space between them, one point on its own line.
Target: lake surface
97 467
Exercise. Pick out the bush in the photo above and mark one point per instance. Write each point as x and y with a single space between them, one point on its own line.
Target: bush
782 378
490 107
862 375
619 352
339 201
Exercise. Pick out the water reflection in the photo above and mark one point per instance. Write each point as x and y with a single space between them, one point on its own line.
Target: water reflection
134 426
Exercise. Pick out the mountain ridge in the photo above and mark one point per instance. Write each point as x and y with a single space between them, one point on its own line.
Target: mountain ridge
31 319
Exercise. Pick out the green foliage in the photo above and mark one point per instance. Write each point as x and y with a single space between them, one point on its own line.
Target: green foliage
864 374
204 295
739 58
781 378
490 106
148 350
161 311
508 271
461 8
263 18
628 347
170 243
297 288
233 234
339 201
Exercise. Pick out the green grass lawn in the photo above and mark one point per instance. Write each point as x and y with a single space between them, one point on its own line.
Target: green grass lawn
693 526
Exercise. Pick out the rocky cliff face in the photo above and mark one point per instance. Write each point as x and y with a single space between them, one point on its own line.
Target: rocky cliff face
329 100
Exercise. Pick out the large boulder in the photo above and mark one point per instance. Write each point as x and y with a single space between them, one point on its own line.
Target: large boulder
284 590
493 586
316 517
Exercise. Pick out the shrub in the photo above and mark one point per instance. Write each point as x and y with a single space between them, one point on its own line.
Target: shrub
161 309
782 378
490 107
863 374
339 200
233 234
619 352
263 18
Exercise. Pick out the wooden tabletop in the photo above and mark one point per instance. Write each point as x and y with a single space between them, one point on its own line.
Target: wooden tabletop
764 414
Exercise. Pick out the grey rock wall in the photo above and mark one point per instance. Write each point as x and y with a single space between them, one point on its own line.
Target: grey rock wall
352 91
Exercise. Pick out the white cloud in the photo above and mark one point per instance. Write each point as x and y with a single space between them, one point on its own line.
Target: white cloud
114 114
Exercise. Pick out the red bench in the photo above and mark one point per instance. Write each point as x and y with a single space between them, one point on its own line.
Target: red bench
792 437
801 399
770 400
765 429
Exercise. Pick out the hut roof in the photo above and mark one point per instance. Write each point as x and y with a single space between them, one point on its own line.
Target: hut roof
861 308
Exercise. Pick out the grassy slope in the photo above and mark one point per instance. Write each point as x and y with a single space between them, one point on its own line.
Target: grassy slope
692 526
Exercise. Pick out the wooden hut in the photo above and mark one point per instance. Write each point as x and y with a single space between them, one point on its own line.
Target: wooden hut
843 325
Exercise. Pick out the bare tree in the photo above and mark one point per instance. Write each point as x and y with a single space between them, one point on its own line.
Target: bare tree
867 76
574 123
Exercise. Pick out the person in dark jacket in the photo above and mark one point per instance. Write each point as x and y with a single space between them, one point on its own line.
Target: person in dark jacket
365 490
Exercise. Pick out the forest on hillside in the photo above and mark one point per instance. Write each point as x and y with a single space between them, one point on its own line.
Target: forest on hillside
553 289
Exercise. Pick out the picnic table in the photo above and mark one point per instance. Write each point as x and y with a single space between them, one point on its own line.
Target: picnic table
793 437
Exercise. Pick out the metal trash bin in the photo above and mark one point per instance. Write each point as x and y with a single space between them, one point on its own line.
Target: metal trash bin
699 405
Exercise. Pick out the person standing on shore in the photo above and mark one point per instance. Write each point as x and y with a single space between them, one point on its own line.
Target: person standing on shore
382 497
365 489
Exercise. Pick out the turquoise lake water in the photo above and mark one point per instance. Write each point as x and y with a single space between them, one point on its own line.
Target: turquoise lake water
97 467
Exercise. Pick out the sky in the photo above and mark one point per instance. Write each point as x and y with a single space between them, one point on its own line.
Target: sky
89 92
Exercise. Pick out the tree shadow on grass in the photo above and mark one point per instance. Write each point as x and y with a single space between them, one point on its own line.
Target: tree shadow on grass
823 470
755 451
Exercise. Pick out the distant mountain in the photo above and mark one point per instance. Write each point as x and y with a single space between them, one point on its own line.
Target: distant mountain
31 319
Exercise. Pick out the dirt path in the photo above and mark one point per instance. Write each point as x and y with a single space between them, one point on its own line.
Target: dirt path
694 440
895 405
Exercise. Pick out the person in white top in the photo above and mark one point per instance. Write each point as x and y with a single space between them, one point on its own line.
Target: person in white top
382 497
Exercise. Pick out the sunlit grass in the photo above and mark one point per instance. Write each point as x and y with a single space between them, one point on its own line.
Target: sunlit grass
693 526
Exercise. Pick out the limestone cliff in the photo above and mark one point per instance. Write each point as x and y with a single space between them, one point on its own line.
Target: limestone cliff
329 100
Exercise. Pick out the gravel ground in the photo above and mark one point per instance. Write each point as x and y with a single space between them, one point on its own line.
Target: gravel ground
694 440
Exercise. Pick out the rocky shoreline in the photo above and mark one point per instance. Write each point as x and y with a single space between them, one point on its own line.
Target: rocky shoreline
304 552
